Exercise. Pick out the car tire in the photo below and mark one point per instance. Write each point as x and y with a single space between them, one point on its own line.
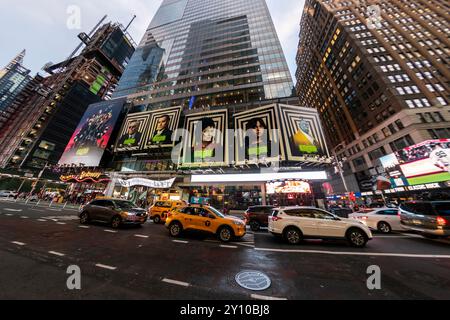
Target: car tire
225 234
157 219
116 221
293 235
84 218
175 229
384 227
357 238
255 226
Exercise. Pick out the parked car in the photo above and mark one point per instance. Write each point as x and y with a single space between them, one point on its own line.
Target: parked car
7 194
341 212
382 219
158 212
205 219
297 223
257 216
429 218
116 212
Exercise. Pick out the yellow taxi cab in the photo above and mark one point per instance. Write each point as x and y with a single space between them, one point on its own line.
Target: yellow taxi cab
205 219
158 212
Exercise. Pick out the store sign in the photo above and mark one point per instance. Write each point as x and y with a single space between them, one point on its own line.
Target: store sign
288 187
85 176
165 184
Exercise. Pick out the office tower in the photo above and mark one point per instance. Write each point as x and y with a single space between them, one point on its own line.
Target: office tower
38 137
377 72
206 53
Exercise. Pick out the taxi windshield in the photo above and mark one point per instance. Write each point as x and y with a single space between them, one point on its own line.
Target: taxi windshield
217 212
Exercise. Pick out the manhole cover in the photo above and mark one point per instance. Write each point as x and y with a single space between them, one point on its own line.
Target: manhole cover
253 280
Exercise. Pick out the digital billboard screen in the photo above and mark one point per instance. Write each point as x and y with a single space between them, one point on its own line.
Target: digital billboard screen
288 187
426 162
91 137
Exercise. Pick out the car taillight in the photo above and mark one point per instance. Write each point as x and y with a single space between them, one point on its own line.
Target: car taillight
276 218
363 217
441 221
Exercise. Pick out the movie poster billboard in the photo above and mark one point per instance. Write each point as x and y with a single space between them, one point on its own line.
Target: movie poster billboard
133 132
302 132
426 162
91 137
258 138
206 142
162 125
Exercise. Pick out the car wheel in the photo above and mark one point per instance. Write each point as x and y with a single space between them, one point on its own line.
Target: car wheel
357 238
293 235
157 219
175 229
225 234
115 222
84 218
255 226
384 227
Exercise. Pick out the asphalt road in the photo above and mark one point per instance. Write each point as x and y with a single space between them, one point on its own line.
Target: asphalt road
38 244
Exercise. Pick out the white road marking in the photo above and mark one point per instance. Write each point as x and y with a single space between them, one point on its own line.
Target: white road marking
38 210
141 236
110 231
412 235
104 266
180 241
246 245
59 254
61 223
229 247
8 214
41 220
24 217
13 210
401 255
18 243
84 227
55 209
260 297
178 283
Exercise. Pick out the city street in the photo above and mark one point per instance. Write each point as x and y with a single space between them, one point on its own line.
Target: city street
39 243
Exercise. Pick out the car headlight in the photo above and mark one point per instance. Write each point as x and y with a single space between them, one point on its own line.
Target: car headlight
238 223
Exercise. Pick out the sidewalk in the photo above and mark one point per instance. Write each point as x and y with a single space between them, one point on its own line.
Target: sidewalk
43 204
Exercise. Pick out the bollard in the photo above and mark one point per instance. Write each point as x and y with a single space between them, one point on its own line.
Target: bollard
37 203
50 204
26 202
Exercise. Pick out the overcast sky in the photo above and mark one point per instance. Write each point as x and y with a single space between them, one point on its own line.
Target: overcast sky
40 26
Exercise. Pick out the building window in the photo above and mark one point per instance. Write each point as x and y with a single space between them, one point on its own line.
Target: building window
439 133
401 143
358 162
377 153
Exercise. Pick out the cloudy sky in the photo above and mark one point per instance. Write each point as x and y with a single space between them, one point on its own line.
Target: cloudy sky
40 26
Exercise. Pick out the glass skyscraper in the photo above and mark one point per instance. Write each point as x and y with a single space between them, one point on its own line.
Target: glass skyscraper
207 53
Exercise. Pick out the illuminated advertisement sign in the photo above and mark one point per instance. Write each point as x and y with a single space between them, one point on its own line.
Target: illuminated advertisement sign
151 129
207 139
92 135
85 176
257 134
288 187
302 132
426 162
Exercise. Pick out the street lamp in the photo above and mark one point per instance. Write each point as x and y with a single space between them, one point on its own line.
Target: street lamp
339 165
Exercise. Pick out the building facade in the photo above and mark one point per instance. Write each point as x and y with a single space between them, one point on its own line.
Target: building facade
38 137
377 72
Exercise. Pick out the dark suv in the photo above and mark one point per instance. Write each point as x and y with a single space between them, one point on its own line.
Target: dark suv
430 218
258 216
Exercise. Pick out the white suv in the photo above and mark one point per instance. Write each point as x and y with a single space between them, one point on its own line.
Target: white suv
297 223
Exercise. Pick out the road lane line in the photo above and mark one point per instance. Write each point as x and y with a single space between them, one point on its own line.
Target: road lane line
180 241
400 255
59 254
61 223
37 210
260 297
110 231
246 245
141 236
18 243
104 266
229 247
24 217
9 214
178 283
84 227
41 220
13 210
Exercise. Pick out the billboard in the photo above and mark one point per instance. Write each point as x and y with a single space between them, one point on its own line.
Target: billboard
288 187
257 135
150 129
92 135
426 162
207 140
302 132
